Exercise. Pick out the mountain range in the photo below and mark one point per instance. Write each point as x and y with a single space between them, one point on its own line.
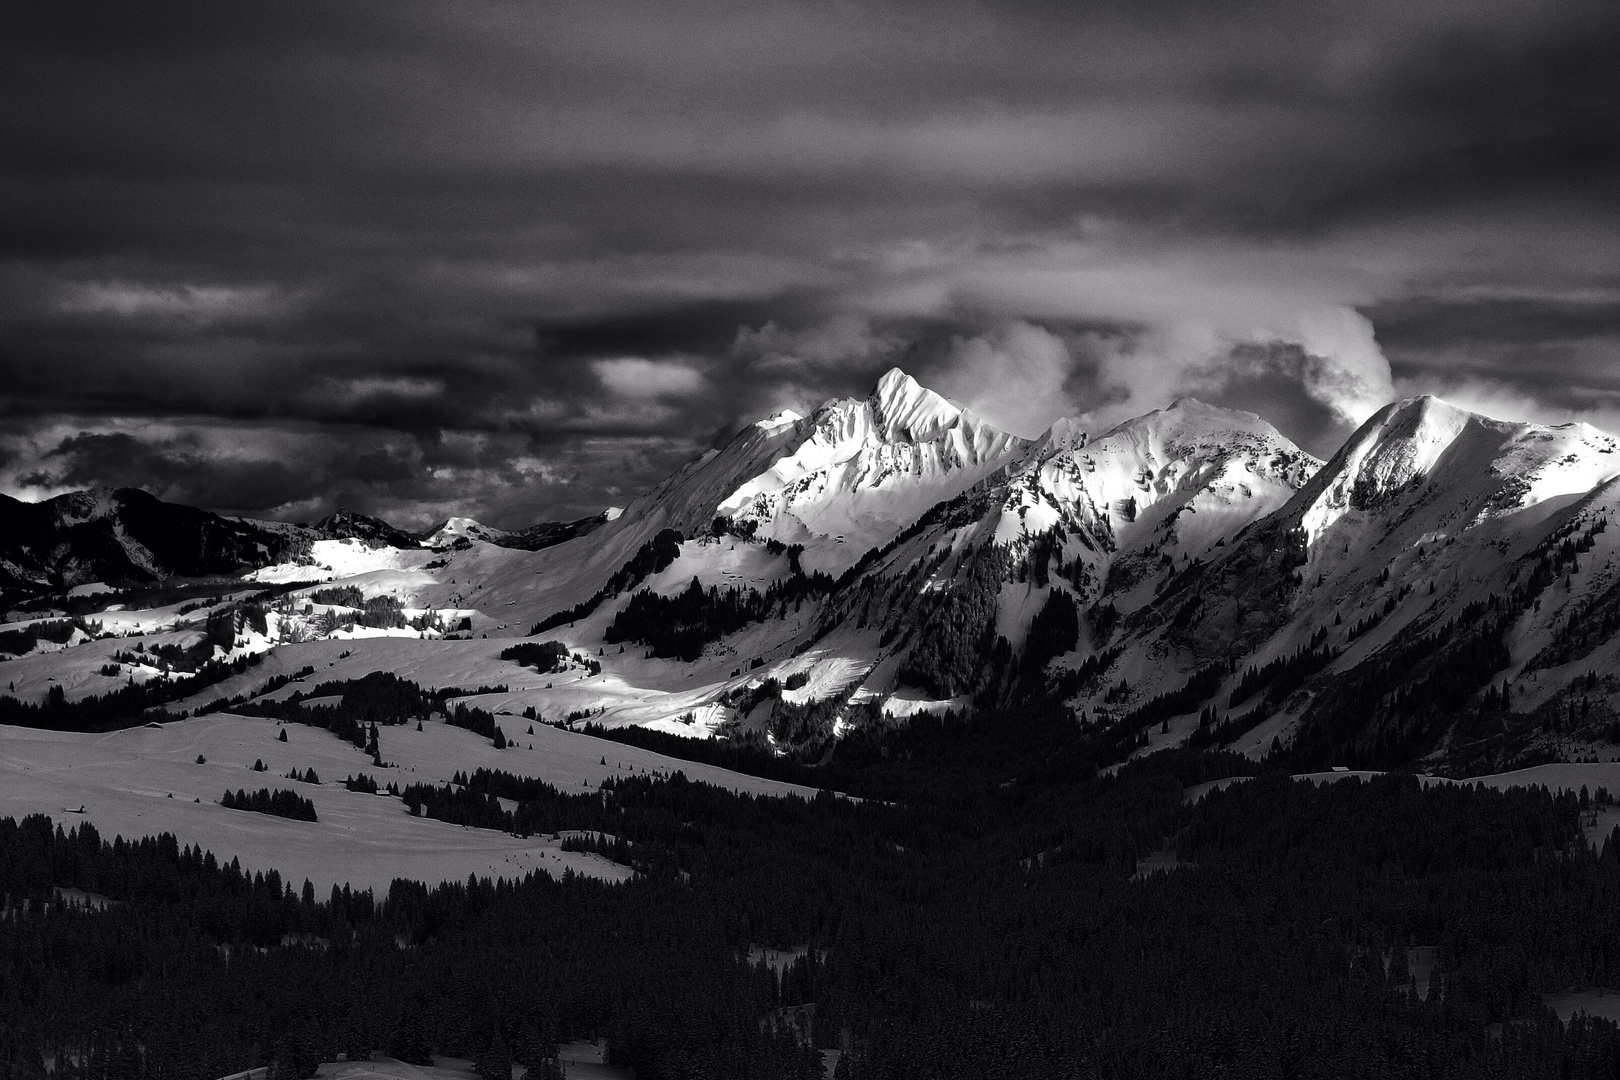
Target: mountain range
1440 592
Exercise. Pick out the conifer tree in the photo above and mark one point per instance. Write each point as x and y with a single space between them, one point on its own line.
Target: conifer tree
357 1041
409 1043
495 1063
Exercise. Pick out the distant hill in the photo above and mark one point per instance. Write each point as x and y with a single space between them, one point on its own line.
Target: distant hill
128 535
347 524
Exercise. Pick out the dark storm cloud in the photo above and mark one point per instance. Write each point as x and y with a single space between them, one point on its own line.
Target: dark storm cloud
702 326
1268 379
520 261
1429 322
1566 347
178 470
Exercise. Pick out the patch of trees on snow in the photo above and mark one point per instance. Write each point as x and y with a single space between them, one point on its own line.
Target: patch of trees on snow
380 698
128 706
278 803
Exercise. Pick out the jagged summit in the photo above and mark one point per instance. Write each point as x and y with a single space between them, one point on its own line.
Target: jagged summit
1185 418
860 470
906 411
1066 433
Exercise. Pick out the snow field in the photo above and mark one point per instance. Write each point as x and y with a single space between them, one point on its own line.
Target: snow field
125 780
343 559
145 781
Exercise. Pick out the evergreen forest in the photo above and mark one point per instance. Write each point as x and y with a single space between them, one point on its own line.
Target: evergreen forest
986 910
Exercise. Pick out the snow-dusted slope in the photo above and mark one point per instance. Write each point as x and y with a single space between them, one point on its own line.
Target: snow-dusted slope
346 558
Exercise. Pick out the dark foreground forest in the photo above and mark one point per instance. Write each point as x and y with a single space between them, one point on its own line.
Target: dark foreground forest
987 920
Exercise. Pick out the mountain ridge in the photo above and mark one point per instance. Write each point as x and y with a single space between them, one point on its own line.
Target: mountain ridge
1186 576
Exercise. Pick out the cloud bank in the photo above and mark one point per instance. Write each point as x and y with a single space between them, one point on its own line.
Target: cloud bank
518 263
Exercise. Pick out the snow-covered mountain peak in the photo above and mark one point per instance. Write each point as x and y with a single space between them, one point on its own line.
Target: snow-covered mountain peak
1492 466
847 478
865 468
1188 422
1175 481
457 528
904 410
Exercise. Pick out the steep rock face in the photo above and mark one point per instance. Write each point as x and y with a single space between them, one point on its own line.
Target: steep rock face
128 535
1422 453
859 471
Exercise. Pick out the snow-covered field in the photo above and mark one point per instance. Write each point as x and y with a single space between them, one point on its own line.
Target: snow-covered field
144 781
343 559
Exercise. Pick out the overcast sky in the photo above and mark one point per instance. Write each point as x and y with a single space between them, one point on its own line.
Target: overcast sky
519 261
